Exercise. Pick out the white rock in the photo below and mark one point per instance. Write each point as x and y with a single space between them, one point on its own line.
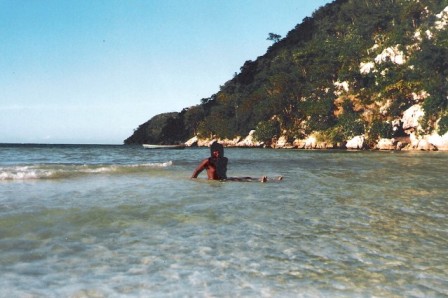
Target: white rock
341 86
230 142
282 142
424 145
355 143
440 142
310 143
422 95
443 19
385 144
192 142
366 67
300 144
414 140
411 117
391 53
249 141
418 36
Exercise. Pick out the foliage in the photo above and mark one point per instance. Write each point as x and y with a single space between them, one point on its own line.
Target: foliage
380 129
436 60
151 131
333 135
350 124
266 130
274 37
320 114
443 125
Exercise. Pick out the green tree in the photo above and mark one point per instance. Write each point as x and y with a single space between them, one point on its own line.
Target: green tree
192 117
349 122
274 37
379 129
443 125
266 130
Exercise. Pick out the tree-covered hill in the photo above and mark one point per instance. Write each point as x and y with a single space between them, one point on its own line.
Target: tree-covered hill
352 69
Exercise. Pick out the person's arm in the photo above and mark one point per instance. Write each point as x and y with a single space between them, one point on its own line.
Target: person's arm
200 168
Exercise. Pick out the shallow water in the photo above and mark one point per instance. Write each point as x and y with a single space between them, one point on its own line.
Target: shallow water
124 221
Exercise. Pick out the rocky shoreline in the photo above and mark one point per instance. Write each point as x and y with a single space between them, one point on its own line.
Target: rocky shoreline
411 139
410 143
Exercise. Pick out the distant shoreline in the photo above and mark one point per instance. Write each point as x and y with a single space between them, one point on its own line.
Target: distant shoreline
322 149
138 146
358 143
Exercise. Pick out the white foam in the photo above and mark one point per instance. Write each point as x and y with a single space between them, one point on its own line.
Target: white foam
24 173
156 164
31 172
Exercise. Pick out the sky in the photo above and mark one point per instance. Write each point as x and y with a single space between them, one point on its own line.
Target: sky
90 72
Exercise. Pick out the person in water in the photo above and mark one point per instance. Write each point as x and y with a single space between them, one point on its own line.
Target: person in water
216 166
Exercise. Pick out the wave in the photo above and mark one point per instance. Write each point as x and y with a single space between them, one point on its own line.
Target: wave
55 171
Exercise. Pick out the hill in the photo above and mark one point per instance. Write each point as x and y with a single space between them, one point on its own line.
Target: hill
362 71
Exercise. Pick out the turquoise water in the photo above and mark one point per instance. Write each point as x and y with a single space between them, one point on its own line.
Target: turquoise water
114 221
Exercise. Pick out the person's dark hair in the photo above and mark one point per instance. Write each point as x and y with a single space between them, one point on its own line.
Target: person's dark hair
217 147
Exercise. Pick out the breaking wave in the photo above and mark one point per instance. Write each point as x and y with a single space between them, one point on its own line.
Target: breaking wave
57 171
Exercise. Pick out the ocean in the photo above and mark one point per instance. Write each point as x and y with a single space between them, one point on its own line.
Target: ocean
123 221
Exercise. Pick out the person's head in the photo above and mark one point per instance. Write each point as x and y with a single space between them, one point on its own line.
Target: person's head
216 150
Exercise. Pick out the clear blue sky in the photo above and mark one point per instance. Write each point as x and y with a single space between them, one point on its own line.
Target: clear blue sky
82 71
